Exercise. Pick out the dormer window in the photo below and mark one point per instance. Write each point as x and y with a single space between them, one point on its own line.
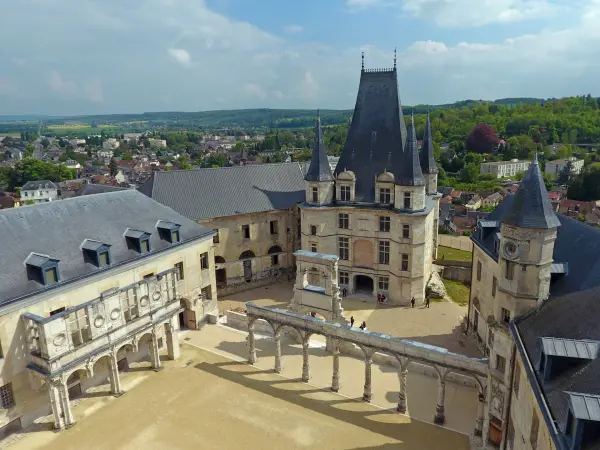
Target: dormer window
169 231
96 253
42 268
315 194
345 193
138 240
385 195
407 200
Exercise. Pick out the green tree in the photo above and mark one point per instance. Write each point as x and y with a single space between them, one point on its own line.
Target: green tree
469 174
127 157
113 167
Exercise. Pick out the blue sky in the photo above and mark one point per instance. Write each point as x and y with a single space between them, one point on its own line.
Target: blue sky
118 56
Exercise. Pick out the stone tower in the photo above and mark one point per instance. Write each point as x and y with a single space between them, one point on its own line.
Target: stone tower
320 185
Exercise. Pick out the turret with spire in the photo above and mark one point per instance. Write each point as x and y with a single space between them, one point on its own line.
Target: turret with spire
428 165
408 175
319 177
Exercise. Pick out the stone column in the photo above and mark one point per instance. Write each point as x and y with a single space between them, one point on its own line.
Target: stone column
305 366
66 403
55 402
479 421
154 353
251 344
335 379
277 351
440 416
172 341
367 395
113 372
402 376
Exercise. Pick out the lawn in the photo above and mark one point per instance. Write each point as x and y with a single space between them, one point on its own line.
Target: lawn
454 254
458 292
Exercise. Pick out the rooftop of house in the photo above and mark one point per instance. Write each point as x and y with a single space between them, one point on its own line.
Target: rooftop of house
57 230
228 191
502 163
34 185
572 323
91 189
563 161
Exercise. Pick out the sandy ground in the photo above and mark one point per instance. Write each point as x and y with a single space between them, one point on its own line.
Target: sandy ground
438 325
207 401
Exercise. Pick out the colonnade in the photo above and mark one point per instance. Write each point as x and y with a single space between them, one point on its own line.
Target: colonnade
403 363
58 389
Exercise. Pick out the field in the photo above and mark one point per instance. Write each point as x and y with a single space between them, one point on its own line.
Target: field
454 254
458 292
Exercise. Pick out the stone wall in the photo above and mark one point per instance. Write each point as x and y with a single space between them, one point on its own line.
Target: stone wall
457 242
462 274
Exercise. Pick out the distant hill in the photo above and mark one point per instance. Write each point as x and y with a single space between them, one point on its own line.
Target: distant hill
25 117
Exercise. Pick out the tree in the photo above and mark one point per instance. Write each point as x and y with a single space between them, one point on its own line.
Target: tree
127 157
469 174
586 185
482 139
113 167
566 174
45 142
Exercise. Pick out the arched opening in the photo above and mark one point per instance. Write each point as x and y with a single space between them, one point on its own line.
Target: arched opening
363 284
314 277
247 262
122 361
187 316
274 252
74 383
145 346
220 273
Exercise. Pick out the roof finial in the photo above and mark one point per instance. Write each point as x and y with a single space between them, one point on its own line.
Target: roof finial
363 60
535 158
318 113
394 58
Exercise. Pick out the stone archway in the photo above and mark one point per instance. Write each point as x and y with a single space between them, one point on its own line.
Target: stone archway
274 252
363 284
220 272
74 387
187 315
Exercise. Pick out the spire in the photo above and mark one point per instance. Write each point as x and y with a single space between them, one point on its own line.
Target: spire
426 155
408 172
362 55
319 169
531 206
394 58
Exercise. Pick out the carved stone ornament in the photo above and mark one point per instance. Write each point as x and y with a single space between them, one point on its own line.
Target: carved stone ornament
144 301
497 402
99 321
156 296
516 233
59 340
511 250
115 314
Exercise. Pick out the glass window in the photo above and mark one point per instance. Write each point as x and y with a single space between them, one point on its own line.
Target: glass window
313 230
216 237
315 195
313 247
384 252
344 248
510 270
384 283
345 193
79 327
246 231
145 246
204 261
51 275
344 278
404 263
505 315
179 267
103 259
407 199
175 236
384 224
344 221
406 231
384 195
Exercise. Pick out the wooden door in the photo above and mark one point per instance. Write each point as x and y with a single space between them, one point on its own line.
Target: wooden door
190 319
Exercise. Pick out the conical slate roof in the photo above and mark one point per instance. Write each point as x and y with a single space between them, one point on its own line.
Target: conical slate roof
428 164
531 206
319 169
377 133
408 169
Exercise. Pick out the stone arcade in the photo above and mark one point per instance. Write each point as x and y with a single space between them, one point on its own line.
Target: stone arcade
378 210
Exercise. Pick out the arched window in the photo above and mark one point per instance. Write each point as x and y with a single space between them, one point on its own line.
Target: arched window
275 249
274 252
219 260
247 254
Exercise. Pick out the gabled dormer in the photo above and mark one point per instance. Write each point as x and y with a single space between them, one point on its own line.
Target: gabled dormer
319 180
169 231
96 253
345 187
559 355
582 426
138 240
42 269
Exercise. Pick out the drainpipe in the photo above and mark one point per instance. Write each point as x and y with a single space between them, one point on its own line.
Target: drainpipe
509 401
470 289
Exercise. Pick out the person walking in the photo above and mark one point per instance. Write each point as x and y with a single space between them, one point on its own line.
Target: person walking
427 301
344 292
363 326
351 321
412 302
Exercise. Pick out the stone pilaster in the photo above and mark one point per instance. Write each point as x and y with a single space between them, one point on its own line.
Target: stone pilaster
277 352
335 379
305 366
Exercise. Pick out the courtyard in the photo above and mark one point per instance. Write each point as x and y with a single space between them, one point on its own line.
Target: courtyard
438 325
211 400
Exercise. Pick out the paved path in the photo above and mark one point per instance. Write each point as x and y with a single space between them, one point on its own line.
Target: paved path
438 325
207 401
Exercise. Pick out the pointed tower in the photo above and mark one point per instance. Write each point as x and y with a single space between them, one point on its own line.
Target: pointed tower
410 183
319 186
526 245
428 165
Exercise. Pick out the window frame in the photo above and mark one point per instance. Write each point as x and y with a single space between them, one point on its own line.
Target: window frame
404 264
479 269
344 221
216 237
385 196
344 248
509 273
385 224
315 195
383 283
246 234
79 325
313 230
384 252
274 227
344 278
204 262
407 200
500 365
314 247
405 231
494 286
345 193
504 313
180 270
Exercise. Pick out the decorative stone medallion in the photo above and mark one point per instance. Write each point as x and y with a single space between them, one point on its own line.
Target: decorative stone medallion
511 250
144 301
156 296
98 321
59 340
115 314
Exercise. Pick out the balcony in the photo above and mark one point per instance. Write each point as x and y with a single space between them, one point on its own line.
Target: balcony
117 316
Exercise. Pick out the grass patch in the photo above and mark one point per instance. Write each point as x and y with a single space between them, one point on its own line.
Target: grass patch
458 292
454 254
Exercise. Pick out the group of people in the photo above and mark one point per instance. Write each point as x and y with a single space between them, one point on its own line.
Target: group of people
381 298
363 326
427 301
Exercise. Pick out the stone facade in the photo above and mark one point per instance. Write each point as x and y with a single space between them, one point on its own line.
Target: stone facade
243 262
30 329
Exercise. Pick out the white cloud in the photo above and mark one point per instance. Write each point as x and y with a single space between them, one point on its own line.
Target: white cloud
357 5
255 90
58 84
7 86
293 29
180 55
91 90
278 95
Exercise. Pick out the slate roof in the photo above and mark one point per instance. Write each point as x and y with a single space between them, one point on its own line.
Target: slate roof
228 191
428 164
377 135
45 184
576 243
531 207
319 169
572 317
57 230
411 175
90 189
